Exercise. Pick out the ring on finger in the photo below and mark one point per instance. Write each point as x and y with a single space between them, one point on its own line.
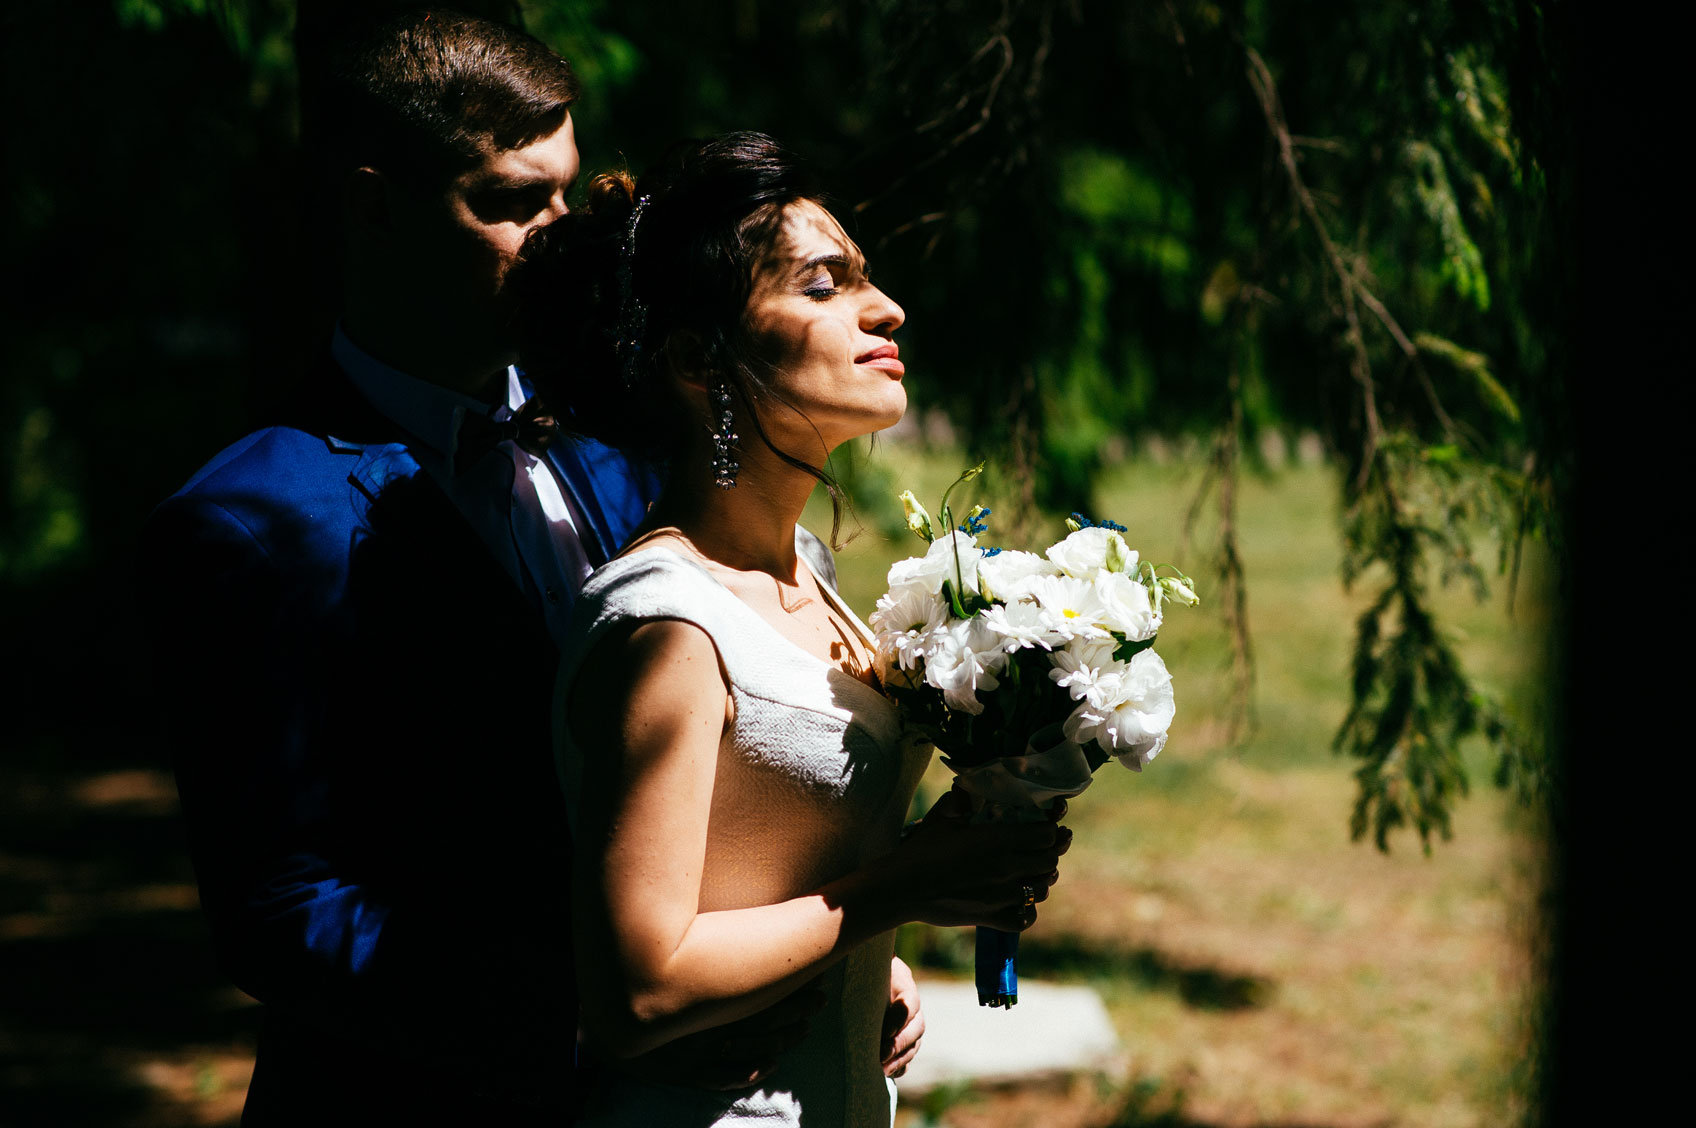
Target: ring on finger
1027 895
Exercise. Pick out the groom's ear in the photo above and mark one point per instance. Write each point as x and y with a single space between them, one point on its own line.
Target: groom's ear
368 203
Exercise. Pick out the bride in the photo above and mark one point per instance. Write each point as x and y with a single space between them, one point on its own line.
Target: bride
737 782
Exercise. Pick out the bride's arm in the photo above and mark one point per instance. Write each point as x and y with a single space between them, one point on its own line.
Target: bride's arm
647 712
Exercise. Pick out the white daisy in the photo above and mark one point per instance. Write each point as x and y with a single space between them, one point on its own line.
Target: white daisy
1075 607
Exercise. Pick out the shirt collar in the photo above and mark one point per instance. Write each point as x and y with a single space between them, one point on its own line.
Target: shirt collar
428 411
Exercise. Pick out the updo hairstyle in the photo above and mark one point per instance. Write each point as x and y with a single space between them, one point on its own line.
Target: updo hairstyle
609 309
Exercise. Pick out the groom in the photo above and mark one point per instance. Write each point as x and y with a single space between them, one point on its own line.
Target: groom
357 612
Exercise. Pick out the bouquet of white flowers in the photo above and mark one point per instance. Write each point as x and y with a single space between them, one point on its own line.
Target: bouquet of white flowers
1027 672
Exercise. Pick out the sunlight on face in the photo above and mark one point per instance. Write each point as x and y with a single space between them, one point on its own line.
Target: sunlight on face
827 332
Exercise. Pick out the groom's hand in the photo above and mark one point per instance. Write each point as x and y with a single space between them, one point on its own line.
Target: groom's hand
903 1022
737 1055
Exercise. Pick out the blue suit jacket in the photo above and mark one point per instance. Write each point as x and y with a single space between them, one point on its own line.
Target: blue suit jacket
359 702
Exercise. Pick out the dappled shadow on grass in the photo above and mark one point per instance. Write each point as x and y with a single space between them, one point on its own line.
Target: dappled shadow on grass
110 981
1202 987
1149 1104
1077 1101
1074 957
70 1088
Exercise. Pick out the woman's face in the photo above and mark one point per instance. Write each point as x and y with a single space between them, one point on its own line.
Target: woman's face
815 317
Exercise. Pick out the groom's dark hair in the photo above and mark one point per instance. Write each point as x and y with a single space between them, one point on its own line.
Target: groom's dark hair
430 92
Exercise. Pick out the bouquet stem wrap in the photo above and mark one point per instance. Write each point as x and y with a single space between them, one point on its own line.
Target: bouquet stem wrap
997 967
1018 789
996 963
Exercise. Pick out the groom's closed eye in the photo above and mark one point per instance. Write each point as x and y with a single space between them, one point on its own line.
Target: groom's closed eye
513 203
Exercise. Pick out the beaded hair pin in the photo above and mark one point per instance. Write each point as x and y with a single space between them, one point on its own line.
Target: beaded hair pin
632 311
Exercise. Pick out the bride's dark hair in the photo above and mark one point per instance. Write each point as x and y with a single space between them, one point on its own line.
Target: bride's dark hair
653 275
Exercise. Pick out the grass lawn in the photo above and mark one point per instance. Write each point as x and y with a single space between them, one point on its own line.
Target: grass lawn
1263 969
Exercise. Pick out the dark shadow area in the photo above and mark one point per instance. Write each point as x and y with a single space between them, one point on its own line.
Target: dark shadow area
1073 957
110 990
1199 986
69 1088
1202 987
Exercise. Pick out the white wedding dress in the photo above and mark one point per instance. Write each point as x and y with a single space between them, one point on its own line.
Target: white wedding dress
813 781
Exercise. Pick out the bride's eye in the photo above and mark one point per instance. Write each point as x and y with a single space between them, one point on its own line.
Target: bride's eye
821 288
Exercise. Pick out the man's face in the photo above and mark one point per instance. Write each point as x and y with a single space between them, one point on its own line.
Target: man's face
465 240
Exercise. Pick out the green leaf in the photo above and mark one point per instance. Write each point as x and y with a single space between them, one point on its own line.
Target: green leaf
1130 647
953 598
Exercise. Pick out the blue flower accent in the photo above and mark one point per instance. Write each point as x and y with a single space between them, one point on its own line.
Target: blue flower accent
990 551
1086 523
975 523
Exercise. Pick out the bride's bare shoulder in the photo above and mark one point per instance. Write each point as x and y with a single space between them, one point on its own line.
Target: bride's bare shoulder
662 536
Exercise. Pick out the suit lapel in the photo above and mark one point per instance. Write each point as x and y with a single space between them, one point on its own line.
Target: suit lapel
395 502
425 550
611 494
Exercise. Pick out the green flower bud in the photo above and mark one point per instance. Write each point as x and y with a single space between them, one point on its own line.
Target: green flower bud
917 519
1118 553
1178 590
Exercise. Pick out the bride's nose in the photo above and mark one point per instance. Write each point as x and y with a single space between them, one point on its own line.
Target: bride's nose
881 315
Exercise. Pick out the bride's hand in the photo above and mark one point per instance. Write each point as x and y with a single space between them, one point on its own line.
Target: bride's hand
903 1020
957 872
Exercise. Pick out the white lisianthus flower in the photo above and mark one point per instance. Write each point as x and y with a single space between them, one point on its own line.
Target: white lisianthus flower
1075 607
903 621
1081 666
1129 610
1006 574
1023 624
937 565
1092 550
962 658
1128 713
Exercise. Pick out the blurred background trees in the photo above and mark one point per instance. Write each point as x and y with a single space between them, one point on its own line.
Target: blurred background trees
1237 224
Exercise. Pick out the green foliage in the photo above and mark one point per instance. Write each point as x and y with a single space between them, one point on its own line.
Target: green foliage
1412 703
49 524
1462 266
1476 367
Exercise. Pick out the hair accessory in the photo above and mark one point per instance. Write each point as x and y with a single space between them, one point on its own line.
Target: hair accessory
632 311
724 468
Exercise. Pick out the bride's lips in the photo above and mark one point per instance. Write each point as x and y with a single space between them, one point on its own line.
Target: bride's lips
886 357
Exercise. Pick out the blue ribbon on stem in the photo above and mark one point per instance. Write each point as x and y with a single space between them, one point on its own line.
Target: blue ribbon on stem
997 967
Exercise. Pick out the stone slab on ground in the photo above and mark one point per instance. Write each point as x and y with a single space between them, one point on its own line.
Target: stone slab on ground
1054 1030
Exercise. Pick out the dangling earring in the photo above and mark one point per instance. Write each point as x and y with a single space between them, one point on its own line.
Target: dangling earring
724 467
